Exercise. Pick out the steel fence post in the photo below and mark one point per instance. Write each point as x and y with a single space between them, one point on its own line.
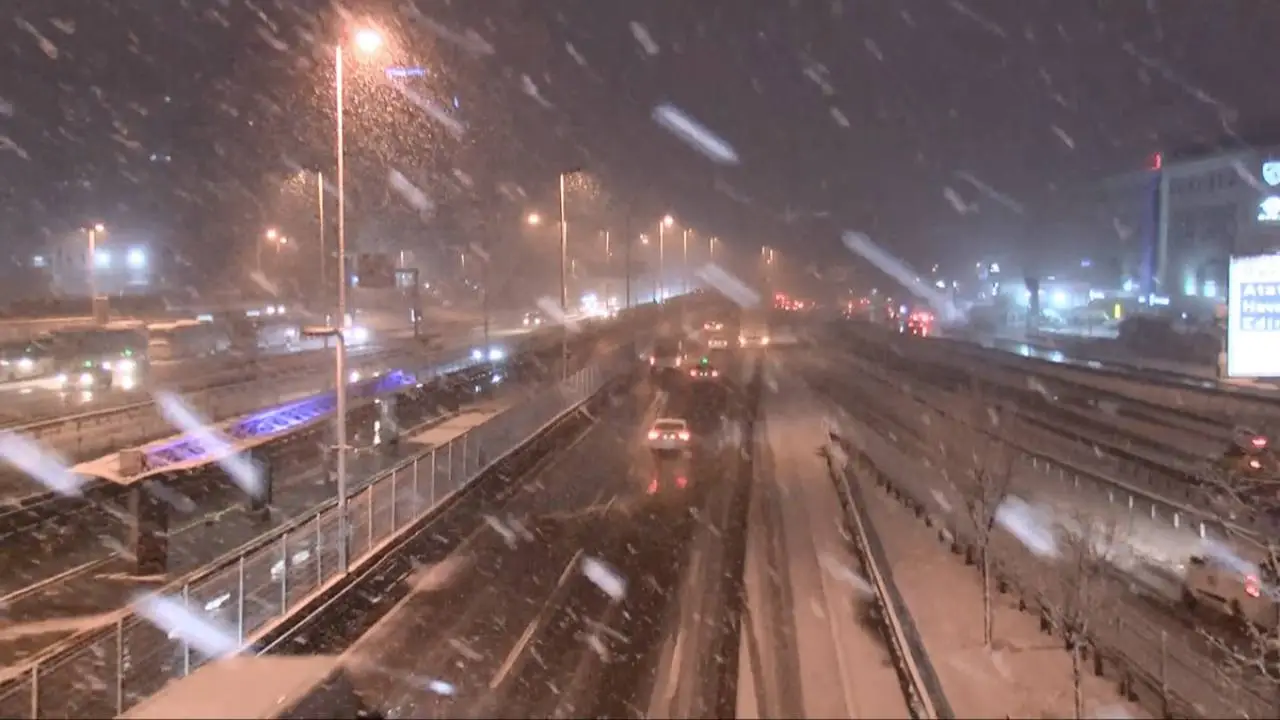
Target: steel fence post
450 478
240 600
120 666
284 573
370 497
186 646
394 497
319 550
414 510
466 456
35 690
434 469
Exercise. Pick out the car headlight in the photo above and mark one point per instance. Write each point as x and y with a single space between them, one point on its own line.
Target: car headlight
86 380
126 366
1253 463
26 364
61 378
358 334
496 354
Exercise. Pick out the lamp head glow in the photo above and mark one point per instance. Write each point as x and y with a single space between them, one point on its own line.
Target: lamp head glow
368 41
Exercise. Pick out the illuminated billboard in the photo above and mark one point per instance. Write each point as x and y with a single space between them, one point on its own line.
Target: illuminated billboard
1253 317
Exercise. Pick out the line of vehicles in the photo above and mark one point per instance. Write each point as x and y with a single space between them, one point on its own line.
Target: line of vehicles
120 355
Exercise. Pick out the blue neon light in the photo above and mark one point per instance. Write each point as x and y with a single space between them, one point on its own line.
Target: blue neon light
274 421
405 72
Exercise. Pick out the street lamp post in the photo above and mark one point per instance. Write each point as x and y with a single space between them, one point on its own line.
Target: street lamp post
366 41
320 239
626 260
666 222
564 284
684 271
340 390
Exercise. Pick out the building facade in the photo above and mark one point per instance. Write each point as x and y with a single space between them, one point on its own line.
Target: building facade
122 265
1170 229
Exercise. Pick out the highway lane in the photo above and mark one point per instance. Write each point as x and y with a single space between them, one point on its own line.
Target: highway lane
1147 555
560 605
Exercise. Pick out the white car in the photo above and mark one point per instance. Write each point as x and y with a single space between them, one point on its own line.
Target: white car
1247 593
669 435
717 343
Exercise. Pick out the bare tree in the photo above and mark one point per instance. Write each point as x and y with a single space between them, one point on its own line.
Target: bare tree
979 464
1076 591
985 490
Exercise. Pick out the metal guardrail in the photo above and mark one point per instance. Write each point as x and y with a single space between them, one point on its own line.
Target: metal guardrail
247 593
1220 397
1166 482
920 682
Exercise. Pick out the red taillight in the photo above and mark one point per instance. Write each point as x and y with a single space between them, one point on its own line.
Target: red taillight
715 373
1251 587
652 360
684 435
693 373
653 486
682 481
653 434
1259 441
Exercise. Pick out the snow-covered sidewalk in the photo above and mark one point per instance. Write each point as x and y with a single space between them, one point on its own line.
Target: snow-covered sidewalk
1025 673
808 647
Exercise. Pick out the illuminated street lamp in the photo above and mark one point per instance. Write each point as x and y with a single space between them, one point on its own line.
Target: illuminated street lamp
533 218
366 42
273 237
666 222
